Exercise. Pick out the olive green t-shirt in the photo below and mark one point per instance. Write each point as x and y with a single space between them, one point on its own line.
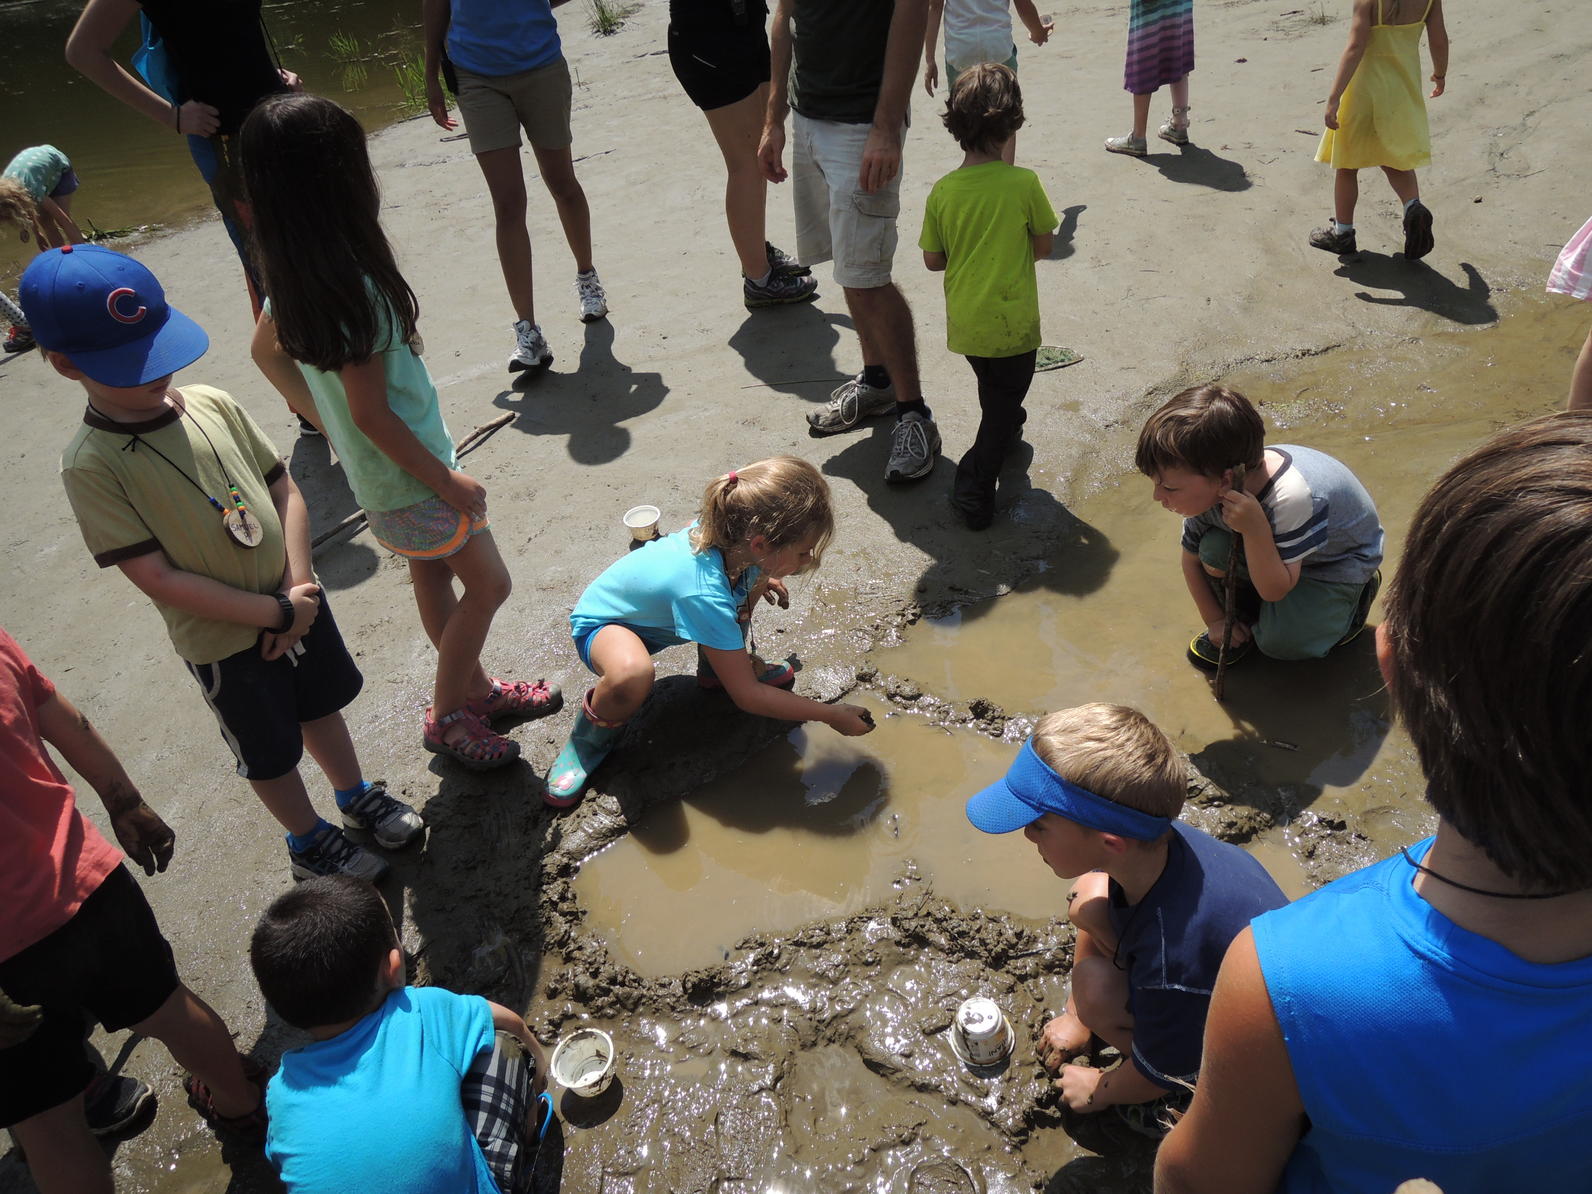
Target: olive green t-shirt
129 502
984 218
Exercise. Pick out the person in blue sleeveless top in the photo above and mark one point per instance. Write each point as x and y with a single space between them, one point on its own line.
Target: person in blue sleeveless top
1431 1016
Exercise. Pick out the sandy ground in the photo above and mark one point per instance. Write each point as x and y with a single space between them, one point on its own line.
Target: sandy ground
1170 269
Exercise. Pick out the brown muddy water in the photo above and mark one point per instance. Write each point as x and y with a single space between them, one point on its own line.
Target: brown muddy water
133 171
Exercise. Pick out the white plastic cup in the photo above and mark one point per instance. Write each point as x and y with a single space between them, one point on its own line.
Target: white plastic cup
642 522
982 1031
583 1062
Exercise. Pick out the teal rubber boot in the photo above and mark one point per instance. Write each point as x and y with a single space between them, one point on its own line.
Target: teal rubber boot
590 740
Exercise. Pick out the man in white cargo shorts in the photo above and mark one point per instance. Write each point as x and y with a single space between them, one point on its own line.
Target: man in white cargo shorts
855 64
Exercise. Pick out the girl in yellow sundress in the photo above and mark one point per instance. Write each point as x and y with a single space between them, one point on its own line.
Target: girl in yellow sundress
1376 116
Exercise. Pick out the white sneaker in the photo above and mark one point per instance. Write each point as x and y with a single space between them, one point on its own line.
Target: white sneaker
914 444
593 302
530 348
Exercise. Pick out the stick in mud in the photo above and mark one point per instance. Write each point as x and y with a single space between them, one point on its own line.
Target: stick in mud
1229 595
465 446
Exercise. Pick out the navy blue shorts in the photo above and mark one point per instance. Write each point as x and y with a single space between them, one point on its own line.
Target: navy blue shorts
648 638
262 703
108 963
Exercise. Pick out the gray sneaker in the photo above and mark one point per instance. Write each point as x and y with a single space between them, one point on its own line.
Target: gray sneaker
850 404
778 289
391 822
914 444
331 853
593 299
530 348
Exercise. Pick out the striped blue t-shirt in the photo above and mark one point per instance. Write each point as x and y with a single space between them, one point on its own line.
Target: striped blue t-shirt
1321 517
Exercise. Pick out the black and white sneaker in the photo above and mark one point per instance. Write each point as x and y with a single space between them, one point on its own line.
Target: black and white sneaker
593 299
778 289
914 444
530 347
330 853
112 1102
390 821
782 262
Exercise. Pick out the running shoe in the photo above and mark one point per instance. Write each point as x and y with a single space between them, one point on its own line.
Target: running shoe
330 853
1418 240
530 347
593 302
851 403
782 262
19 340
1329 239
113 1101
778 289
391 822
914 444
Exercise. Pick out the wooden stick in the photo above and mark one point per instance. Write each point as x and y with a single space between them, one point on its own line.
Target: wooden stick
1229 595
465 446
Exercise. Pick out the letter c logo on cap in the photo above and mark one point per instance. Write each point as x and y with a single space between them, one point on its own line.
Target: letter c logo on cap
113 300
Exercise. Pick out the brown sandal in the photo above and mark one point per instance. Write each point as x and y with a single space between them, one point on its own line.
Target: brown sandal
250 1127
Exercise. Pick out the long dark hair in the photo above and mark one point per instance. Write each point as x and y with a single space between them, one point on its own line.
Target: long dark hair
317 238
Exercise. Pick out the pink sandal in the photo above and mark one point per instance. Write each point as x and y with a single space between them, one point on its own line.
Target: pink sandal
518 698
478 748
776 675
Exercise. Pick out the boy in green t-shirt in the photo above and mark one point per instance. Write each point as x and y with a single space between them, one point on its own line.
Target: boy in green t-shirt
985 225
182 491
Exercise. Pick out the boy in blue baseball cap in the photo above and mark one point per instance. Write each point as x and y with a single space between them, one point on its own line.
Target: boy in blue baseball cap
1098 789
181 490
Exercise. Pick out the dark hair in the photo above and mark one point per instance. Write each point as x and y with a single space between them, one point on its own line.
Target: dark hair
984 107
317 238
1206 428
1489 622
783 498
318 950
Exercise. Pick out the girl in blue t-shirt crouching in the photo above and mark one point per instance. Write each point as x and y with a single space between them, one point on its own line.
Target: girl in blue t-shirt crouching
757 526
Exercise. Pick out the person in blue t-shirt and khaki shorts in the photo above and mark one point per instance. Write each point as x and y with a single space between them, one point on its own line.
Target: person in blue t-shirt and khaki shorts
511 76
1098 790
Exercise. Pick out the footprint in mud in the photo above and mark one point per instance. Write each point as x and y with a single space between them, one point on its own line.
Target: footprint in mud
940 1177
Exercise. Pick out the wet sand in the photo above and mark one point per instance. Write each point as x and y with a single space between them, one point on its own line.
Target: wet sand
812 1056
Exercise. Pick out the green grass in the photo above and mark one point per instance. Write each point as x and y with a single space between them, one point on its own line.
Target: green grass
606 16
410 72
344 47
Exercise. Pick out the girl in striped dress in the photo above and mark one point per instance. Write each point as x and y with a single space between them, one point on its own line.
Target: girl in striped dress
1160 51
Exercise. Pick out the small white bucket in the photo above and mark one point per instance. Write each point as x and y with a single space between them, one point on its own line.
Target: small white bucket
981 1035
642 522
583 1062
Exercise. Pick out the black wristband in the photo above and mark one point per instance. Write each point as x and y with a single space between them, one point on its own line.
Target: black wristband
286 624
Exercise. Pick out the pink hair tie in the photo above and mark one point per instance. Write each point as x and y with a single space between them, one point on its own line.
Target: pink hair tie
733 477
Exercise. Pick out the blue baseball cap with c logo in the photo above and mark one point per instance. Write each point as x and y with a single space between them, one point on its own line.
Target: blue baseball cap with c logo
109 314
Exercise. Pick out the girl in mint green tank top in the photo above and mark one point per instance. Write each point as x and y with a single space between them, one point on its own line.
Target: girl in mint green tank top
338 339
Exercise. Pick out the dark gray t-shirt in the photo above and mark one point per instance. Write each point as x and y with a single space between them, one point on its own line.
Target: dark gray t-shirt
838 58
1320 515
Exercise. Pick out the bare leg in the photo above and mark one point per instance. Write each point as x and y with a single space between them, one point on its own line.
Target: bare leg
1403 183
1141 115
737 128
285 799
558 175
432 581
506 184
624 671
329 744
1180 99
1581 378
63 1156
884 328
487 586
1345 194
199 1042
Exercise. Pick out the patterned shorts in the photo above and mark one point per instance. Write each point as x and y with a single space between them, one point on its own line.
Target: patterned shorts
497 1104
428 530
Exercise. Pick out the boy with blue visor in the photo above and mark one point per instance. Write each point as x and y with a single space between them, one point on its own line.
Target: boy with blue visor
1098 789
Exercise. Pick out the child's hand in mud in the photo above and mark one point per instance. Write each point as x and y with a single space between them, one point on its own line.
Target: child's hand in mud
1241 633
775 593
1244 514
1077 1085
1062 1039
143 836
851 720
464 493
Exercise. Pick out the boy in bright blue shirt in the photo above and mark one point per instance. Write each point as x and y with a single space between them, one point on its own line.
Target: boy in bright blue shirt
465 1074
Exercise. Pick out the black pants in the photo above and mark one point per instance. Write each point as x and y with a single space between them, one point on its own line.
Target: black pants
1002 385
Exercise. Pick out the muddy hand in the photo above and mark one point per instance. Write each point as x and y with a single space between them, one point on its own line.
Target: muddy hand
851 720
775 593
1078 1084
145 838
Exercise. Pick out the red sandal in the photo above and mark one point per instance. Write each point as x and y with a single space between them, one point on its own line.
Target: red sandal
518 698
250 1127
478 748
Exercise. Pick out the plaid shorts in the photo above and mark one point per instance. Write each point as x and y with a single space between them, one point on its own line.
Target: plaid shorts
497 1103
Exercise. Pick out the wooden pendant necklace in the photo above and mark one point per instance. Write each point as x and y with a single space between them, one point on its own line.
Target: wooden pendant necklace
237 519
